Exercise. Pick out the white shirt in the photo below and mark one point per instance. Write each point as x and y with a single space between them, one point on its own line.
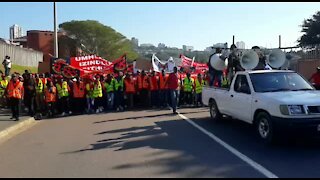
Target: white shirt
7 62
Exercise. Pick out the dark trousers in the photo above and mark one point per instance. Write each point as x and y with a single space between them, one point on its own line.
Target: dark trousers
7 71
199 99
50 109
98 102
215 75
129 100
30 104
65 104
15 107
119 99
173 98
78 105
144 97
163 97
154 98
188 97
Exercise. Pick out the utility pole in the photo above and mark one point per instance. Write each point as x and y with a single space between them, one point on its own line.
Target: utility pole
55 40
279 41
233 39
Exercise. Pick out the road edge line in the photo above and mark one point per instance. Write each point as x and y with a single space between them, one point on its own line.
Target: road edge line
237 153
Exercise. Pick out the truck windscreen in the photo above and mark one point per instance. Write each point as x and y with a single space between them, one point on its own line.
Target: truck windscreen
279 81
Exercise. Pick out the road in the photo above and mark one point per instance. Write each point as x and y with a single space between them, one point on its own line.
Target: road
150 143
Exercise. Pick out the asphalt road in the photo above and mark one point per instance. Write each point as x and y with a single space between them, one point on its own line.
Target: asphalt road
149 143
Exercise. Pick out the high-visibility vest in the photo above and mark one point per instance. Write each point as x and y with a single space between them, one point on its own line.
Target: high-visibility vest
15 90
153 83
3 86
129 83
89 91
119 84
50 96
44 80
187 83
97 90
63 91
110 86
162 82
78 90
199 86
39 87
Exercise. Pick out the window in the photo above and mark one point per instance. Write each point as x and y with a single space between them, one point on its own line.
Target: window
241 85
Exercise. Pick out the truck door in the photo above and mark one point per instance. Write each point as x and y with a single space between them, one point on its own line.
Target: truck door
240 99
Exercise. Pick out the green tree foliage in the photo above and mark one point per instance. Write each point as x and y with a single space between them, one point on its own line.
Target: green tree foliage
311 30
96 38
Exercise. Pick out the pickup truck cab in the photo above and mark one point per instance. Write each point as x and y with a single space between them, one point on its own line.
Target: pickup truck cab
273 101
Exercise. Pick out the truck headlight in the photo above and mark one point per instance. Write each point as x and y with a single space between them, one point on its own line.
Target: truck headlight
292 109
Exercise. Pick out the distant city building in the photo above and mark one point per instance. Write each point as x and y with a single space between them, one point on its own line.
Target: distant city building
15 32
146 45
187 48
220 45
135 41
161 45
241 45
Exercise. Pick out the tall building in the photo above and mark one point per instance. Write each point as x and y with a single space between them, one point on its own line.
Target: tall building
135 41
15 32
241 45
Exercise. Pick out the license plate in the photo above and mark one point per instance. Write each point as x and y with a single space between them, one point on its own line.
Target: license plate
318 128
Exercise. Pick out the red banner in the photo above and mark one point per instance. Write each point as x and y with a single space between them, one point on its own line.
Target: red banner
90 63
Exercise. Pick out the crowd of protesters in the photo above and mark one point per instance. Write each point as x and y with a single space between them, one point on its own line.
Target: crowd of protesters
54 95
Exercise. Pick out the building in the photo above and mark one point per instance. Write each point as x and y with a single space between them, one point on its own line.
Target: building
135 41
187 48
43 41
161 45
147 45
15 32
241 45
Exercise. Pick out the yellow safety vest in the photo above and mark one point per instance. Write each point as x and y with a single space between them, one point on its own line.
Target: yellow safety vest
3 86
97 91
39 88
199 86
89 91
110 87
187 84
63 92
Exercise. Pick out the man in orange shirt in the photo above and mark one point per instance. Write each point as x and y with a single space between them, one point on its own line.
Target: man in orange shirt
163 101
78 95
50 97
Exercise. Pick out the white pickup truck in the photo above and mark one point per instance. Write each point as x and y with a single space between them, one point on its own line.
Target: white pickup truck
275 101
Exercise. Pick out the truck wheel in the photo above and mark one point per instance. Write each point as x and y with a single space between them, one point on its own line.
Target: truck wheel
214 112
265 128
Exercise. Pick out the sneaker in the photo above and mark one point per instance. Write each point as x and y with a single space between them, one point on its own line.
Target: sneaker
63 114
70 112
118 109
97 111
175 112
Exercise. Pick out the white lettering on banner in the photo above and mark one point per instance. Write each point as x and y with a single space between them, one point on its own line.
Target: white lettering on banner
85 58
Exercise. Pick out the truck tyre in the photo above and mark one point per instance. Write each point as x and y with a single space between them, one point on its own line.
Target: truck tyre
265 128
214 112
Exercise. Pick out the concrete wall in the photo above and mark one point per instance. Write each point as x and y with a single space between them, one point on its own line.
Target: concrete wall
307 67
20 56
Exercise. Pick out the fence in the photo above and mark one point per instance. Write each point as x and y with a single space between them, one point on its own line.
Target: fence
20 56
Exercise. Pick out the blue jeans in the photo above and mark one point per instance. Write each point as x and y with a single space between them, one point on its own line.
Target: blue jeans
110 100
173 97
213 75
7 71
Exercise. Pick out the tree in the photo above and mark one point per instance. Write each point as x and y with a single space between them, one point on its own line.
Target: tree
311 30
96 38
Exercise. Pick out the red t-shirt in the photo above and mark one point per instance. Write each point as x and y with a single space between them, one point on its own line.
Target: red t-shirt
172 81
316 78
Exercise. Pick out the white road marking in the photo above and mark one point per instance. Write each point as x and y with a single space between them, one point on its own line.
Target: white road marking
252 163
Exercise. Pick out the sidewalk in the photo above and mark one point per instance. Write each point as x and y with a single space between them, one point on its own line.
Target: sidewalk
9 127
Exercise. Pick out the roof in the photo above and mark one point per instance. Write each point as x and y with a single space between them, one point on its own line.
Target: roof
267 71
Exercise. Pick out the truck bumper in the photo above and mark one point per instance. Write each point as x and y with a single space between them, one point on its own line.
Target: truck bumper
297 126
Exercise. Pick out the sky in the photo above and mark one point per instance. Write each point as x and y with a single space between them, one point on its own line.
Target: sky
175 24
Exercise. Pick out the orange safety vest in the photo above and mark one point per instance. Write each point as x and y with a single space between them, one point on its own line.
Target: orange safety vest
50 97
154 83
78 90
129 84
15 90
44 80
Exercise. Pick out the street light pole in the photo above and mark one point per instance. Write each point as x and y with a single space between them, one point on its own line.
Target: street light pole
55 40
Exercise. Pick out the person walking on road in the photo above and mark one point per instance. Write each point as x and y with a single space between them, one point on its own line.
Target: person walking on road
173 85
